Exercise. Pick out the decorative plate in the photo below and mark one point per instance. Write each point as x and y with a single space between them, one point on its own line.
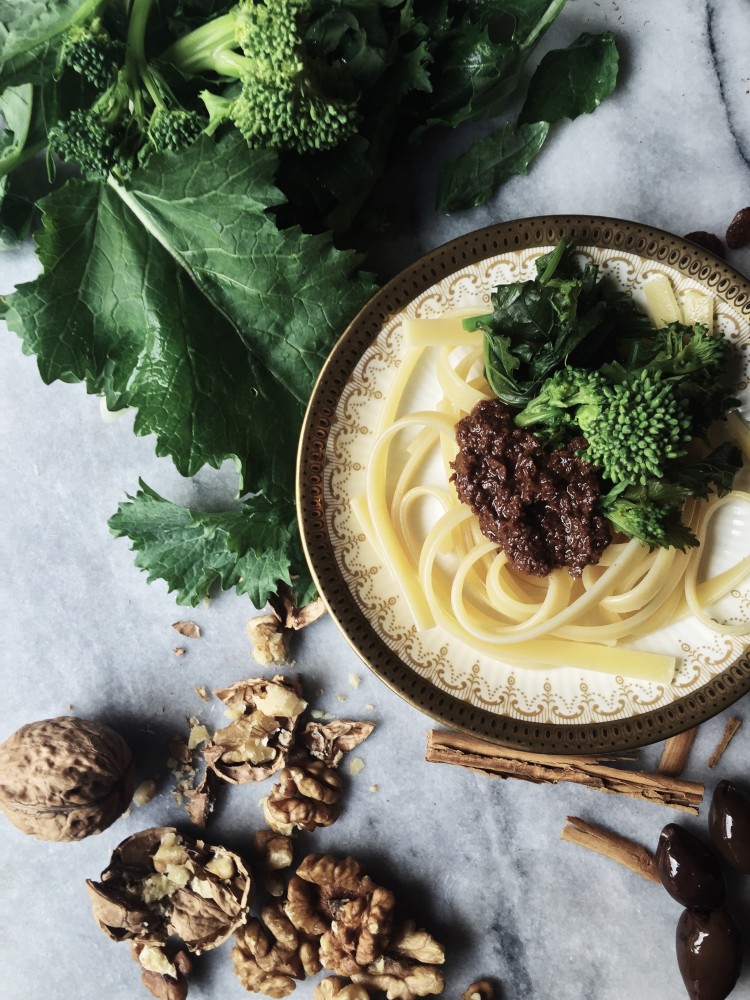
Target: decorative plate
551 710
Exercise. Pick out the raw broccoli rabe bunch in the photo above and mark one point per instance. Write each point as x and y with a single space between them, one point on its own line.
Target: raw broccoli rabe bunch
633 428
136 113
287 98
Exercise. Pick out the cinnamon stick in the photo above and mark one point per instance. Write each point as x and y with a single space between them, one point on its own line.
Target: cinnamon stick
733 724
600 773
612 845
676 750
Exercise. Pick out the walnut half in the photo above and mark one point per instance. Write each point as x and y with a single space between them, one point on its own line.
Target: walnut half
270 955
306 796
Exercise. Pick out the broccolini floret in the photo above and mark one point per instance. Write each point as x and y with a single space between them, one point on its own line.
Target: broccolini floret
632 428
90 51
652 524
136 114
287 99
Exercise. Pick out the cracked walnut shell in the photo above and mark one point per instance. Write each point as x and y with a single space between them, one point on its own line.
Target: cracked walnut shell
254 745
306 796
65 778
161 883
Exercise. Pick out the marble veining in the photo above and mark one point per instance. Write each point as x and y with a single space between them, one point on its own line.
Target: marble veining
478 861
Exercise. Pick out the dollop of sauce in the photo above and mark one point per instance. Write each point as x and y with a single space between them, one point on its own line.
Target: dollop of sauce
536 503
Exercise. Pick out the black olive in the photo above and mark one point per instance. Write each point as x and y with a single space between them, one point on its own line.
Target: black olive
709 953
729 823
689 870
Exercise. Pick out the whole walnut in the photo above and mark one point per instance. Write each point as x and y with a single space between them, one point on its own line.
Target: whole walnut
65 778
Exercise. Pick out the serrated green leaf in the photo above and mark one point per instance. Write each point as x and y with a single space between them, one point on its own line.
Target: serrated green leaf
473 178
573 81
217 325
288 294
251 548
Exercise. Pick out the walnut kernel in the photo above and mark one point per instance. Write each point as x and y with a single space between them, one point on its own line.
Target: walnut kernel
306 796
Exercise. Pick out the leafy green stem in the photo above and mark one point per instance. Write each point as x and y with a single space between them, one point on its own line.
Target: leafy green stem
543 23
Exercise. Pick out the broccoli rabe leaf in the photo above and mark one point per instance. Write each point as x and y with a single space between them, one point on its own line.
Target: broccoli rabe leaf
472 179
535 326
250 548
714 472
573 81
216 326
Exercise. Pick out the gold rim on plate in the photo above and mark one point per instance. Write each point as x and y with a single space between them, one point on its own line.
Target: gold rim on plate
595 736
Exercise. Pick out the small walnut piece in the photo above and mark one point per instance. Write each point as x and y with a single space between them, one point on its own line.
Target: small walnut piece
306 796
268 637
273 853
164 971
482 989
335 988
160 883
65 778
189 629
144 792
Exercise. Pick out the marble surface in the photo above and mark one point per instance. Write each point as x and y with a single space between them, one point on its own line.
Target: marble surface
478 861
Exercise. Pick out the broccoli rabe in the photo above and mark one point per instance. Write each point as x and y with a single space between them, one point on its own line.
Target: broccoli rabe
136 114
287 98
90 51
633 428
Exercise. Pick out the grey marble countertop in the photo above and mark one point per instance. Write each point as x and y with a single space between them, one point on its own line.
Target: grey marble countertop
477 861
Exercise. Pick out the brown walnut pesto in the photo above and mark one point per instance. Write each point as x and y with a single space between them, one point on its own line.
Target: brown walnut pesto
537 504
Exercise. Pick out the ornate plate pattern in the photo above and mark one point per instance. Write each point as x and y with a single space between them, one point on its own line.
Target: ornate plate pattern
553 710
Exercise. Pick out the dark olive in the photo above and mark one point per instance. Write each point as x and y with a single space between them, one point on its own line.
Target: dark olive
729 823
689 870
709 953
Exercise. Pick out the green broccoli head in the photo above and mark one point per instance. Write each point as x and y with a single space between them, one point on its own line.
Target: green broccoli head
87 139
552 412
90 51
635 428
288 99
172 130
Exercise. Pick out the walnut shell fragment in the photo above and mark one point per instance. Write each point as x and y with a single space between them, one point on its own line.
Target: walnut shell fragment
65 778
270 955
254 745
330 742
161 883
306 796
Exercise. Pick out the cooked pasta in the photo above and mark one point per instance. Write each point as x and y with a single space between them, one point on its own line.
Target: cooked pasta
453 577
